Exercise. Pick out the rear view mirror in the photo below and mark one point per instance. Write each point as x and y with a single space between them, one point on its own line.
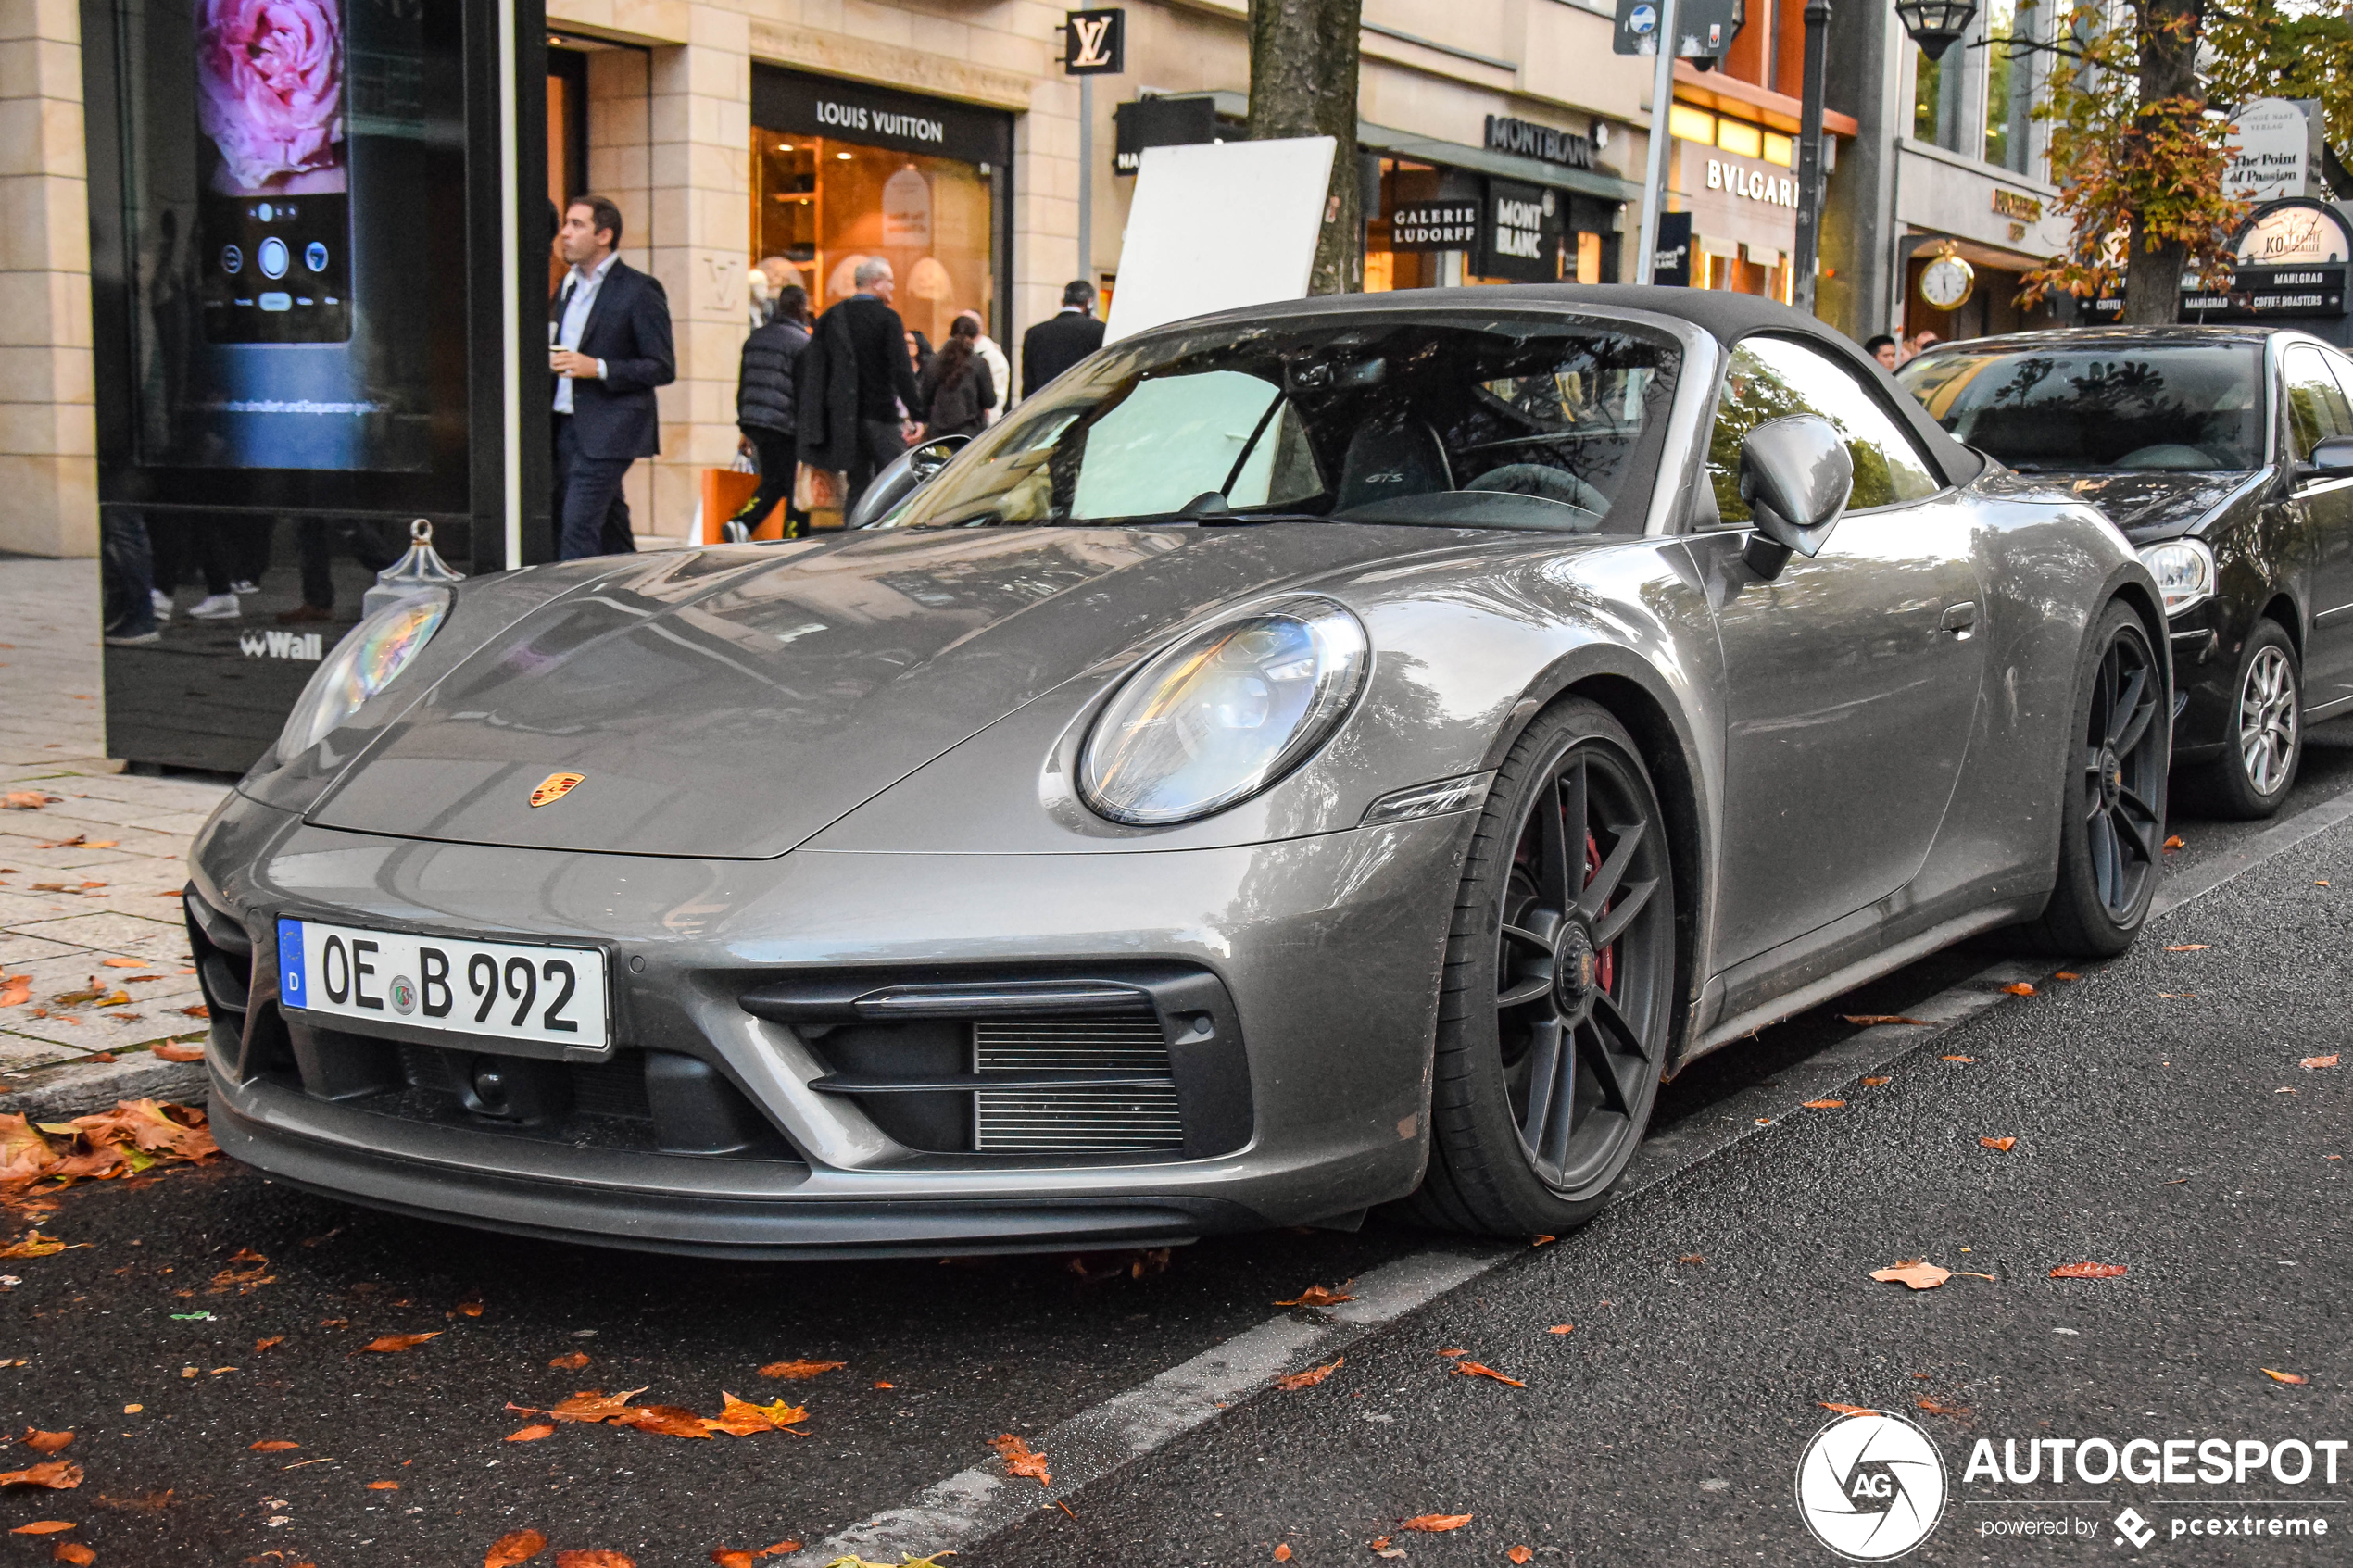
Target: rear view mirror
900 478
2333 456
1796 475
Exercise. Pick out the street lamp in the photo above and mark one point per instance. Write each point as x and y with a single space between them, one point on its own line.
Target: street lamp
1936 25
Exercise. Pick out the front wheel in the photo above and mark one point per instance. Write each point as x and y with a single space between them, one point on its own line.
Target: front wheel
2266 741
2111 794
1558 990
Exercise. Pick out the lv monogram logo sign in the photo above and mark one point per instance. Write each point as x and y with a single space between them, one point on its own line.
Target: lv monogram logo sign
1095 43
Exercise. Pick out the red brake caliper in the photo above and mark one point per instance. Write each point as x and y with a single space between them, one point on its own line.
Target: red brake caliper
1605 961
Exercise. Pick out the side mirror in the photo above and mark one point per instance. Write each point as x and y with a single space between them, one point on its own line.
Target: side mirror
2332 456
1796 475
901 478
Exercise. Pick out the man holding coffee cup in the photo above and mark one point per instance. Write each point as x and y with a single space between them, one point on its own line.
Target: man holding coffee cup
609 347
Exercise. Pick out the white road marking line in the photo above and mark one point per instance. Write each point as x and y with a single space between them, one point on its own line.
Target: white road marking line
1097 1441
976 1503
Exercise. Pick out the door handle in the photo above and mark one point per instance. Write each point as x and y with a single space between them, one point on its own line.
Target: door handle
1959 618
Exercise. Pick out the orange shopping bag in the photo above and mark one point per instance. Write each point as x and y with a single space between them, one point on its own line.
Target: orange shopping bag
724 492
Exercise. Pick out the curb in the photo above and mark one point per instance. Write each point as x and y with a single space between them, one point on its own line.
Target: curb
82 1088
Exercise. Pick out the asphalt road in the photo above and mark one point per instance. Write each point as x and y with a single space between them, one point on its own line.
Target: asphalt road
1666 1424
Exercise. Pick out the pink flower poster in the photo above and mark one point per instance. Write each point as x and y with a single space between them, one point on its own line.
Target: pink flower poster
270 94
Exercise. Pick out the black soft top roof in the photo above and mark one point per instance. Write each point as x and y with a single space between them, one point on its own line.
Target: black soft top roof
1723 315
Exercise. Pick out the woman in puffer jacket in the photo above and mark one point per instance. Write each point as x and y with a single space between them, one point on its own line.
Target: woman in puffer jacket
764 407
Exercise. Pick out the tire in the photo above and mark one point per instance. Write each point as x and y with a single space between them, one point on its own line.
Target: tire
1558 993
2264 745
2111 794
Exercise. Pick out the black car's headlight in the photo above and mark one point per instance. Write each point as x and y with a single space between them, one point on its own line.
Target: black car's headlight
363 664
1218 717
2184 572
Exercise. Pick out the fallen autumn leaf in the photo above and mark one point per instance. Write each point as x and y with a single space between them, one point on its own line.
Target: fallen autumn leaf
799 1372
532 1434
75 1553
272 1446
1872 1020
392 1344
2087 1270
1918 1273
1846 1410
1478 1369
2189 947
1316 1295
572 1362
1435 1523
2311 1062
1825 1105
1020 1459
172 1051
594 1559
521 1545
2285 1376
57 1475
43 1527
2004 1145
42 1442
2018 988
1309 1378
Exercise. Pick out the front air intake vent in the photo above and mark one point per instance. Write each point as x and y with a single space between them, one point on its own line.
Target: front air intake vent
1126 1118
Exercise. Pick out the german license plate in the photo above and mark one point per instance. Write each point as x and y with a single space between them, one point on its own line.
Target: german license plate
506 990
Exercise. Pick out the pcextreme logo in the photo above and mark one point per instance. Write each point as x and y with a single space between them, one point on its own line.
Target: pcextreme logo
1870 1487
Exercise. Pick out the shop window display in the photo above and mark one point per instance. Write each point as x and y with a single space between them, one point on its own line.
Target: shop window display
824 205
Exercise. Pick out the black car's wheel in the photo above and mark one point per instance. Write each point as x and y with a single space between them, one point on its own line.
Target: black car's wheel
2112 792
2265 743
1559 985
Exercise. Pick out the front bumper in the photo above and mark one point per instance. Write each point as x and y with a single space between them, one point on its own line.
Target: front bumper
1306 970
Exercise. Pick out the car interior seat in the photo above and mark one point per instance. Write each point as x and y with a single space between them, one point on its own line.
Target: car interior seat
1395 455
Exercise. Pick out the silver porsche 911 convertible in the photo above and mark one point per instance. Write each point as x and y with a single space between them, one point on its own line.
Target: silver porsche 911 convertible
1328 756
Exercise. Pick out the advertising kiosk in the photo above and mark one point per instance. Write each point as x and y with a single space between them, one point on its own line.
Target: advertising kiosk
318 308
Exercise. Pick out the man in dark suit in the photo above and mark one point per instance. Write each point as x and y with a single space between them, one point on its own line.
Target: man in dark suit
609 348
854 377
1055 345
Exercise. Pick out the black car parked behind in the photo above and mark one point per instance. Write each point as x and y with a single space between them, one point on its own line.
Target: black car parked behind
2226 455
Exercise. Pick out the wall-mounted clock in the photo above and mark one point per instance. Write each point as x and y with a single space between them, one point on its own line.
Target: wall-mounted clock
1946 282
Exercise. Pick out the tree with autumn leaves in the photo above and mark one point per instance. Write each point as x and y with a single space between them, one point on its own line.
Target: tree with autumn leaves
2138 101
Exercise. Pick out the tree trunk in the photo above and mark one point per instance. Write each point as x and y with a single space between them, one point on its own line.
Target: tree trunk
2168 71
1303 82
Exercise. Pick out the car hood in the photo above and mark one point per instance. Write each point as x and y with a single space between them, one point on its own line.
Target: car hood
2152 505
731 703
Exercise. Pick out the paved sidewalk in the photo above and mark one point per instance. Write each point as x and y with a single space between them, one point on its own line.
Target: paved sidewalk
94 872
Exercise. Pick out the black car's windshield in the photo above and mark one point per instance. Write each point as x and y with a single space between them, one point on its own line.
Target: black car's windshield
2194 407
1547 422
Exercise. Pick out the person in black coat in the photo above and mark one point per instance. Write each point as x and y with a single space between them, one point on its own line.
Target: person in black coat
957 387
1053 346
609 347
764 407
853 378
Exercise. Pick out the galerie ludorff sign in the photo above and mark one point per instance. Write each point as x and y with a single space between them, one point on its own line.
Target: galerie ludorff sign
2274 147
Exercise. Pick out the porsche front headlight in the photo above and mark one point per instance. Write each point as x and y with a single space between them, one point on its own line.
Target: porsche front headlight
1218 717
363 664
2184 572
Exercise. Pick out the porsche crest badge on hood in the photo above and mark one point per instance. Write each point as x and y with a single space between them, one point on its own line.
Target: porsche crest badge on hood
555 786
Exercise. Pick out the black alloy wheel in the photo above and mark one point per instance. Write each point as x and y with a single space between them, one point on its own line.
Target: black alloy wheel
1559 985
2112 826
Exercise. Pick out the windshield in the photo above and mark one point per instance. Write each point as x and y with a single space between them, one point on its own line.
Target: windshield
2080 411
1547 422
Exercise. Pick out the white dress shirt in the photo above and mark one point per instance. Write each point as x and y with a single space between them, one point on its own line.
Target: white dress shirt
584 287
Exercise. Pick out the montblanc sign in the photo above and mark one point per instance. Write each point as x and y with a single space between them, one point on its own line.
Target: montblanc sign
1524 138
